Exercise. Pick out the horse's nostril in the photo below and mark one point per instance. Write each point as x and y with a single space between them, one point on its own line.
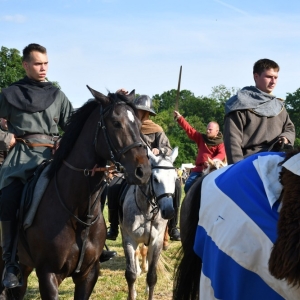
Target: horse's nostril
139 172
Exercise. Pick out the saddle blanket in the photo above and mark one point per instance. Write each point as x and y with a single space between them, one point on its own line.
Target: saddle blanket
237 228
38 193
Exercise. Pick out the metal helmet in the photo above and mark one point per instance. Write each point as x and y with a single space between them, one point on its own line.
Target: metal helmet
144 102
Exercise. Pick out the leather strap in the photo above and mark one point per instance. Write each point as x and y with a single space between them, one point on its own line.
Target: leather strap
39 136
91 172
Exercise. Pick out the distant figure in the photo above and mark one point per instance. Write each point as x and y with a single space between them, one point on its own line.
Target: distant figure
256 120
6 140
210 145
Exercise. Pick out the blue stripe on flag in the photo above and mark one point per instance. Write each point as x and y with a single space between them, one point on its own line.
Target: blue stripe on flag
229 280
243 185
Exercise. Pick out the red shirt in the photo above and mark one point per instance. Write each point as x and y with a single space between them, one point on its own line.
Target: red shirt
204 151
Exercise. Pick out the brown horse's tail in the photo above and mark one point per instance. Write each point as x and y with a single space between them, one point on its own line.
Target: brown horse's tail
188 269
284 262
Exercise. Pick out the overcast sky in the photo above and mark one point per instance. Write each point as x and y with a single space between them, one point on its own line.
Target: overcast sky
141 45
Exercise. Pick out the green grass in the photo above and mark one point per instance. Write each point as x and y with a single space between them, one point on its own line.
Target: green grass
111 284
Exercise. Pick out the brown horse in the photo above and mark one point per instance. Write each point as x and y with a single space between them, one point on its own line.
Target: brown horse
240 232
68 233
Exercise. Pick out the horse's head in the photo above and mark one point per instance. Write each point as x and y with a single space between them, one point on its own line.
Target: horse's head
163 181
117 137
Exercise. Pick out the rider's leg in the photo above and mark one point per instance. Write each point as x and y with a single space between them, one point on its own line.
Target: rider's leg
9 204
172 224
106 254
113 206
191 179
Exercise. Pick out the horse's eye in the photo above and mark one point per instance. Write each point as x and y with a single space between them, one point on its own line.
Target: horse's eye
117 124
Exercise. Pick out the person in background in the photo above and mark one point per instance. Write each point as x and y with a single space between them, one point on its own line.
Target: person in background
255 120
210 145
6 140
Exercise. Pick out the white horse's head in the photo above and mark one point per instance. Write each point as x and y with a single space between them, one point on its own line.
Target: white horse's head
163 181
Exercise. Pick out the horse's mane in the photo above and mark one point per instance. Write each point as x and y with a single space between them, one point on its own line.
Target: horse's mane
289 154
285 256
74 126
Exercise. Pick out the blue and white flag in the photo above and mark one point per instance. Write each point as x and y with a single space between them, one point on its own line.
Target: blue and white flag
237 229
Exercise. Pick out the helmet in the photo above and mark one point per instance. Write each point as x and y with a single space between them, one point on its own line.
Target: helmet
144 102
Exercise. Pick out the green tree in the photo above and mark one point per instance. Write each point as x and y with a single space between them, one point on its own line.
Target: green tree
11 68
221 93
292 104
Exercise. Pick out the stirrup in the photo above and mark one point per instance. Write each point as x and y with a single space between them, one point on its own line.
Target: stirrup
19 276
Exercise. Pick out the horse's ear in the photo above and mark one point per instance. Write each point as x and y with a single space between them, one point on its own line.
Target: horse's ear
131 96
174 154
99 97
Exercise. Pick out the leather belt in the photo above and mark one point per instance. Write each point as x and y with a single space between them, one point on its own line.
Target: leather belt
39 136
24 139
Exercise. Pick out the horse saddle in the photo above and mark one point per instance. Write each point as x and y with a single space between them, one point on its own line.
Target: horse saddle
32 194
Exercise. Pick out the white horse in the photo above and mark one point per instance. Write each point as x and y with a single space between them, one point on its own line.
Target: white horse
146 210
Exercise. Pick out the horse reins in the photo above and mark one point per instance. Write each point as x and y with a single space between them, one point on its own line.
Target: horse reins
91 172
153 204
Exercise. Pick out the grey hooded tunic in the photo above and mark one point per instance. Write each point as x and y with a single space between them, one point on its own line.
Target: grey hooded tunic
22 160
254 121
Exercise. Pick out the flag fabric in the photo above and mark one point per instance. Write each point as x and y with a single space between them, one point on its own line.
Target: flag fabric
237 229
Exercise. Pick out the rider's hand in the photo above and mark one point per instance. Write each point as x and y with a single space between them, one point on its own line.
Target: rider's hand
155 151
283 139
176 115
122 91
12 142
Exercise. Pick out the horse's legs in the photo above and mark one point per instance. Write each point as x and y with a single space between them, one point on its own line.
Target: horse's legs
137 261
153 256
144 251
166 239
130 273
48 284
84 284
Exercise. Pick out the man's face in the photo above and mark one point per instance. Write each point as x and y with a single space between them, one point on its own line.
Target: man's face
266 82
37 67
212 130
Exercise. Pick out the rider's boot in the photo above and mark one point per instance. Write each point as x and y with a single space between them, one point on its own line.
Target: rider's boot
12 274
172 224
113 217
107 255
172 227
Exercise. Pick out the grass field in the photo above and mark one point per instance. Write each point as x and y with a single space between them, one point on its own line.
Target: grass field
111 284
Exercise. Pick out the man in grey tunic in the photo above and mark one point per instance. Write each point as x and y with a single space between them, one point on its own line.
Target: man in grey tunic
33 108
254 118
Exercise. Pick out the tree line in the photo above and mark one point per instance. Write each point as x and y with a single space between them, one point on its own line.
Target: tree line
198 110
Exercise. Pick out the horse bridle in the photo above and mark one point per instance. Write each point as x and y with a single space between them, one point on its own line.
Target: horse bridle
90 217
154 203
112 150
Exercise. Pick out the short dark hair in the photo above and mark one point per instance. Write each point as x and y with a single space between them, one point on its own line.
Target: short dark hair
32 47
265 64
